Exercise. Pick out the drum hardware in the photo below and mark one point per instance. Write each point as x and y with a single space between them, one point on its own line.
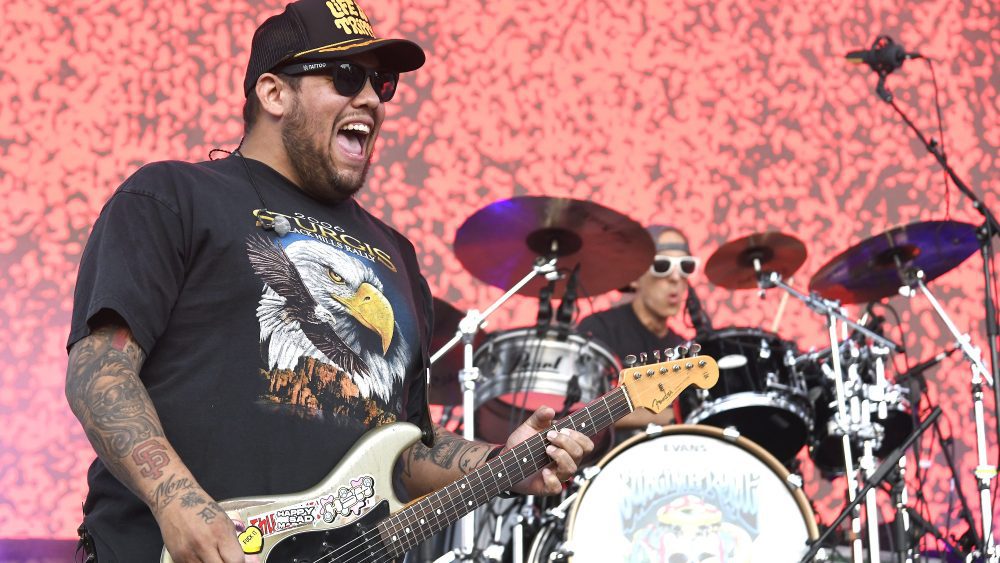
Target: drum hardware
984 471
469 375
494 552
832 311
903 260
878 476
525 519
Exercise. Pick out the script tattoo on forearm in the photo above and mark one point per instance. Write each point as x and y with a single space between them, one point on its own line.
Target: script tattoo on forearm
450 451
169 490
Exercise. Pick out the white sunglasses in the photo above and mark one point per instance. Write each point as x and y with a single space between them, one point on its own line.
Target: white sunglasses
664 266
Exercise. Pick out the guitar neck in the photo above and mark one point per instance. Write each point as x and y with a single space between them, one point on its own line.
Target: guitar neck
412 525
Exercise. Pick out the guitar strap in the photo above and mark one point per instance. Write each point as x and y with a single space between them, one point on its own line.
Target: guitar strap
420 290
86 545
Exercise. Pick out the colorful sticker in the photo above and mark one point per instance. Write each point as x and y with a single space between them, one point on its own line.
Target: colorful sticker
346 501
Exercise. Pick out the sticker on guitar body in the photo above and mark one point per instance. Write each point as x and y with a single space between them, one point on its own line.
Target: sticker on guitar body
347 503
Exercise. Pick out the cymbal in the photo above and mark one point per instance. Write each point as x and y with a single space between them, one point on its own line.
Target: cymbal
732 264
499 243
872 269
445 388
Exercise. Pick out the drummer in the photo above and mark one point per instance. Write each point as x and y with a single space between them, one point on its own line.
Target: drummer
641 325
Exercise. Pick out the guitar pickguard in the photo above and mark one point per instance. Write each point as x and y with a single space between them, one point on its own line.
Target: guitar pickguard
319 545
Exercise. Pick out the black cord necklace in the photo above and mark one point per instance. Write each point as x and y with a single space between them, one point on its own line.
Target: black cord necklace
279 224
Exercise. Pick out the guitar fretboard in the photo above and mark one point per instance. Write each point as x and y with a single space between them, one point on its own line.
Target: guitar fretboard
407 528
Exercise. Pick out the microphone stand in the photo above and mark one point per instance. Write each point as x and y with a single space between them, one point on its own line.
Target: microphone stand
469 375
966 511
989 229
984 472
879 475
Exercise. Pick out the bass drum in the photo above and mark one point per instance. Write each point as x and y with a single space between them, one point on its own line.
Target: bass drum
687 494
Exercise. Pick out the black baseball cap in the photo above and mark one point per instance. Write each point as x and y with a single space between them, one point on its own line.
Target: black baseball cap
323 30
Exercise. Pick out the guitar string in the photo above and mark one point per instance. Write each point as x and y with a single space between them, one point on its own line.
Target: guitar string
453 510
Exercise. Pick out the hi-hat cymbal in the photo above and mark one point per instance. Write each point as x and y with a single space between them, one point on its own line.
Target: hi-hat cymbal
732 264
874 268
445 388
499 243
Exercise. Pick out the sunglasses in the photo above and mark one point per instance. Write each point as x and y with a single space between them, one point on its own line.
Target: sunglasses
664 266
349 78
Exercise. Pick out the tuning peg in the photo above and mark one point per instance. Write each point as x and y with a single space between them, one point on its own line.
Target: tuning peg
656 356
630 360
669 353
682 352
642 358
694 349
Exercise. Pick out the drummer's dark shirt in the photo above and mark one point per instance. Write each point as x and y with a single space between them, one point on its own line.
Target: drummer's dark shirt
621 331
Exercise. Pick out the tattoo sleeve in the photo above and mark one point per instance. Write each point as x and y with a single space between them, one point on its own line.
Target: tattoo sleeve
426 469
104 390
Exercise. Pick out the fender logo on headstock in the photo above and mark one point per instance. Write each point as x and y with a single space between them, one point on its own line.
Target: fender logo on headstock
655 386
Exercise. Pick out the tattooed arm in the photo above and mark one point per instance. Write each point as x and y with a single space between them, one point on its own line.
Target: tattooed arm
104 390
428 469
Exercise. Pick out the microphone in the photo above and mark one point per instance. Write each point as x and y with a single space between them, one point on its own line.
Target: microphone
915 371
279 225
884 56
545 308
564 315
699 318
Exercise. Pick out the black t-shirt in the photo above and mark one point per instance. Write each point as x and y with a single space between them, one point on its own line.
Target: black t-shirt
623 333
267 356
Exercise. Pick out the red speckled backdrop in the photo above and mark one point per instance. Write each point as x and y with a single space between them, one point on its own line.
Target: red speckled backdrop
724 118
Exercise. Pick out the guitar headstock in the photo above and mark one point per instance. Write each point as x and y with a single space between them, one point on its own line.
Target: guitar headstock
654 386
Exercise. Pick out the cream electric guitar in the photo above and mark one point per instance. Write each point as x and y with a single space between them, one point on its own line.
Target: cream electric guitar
353 515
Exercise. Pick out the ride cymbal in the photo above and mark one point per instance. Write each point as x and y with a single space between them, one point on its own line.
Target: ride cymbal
732 264
875 268
499 243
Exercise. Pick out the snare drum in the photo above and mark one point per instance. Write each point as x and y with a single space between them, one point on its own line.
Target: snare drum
686 494
759 391
521 371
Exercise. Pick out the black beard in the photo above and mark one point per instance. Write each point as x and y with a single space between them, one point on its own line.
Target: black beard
311 163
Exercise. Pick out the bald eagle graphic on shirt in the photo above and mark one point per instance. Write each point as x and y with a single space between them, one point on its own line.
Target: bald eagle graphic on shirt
328 333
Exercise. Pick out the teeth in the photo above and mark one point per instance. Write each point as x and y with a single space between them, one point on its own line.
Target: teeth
359 127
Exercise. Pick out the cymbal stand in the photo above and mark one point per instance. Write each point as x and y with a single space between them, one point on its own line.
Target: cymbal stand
469 375
874 395
890 463
845 423
832 311
984 472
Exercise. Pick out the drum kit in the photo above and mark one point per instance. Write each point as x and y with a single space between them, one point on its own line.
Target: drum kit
723 485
